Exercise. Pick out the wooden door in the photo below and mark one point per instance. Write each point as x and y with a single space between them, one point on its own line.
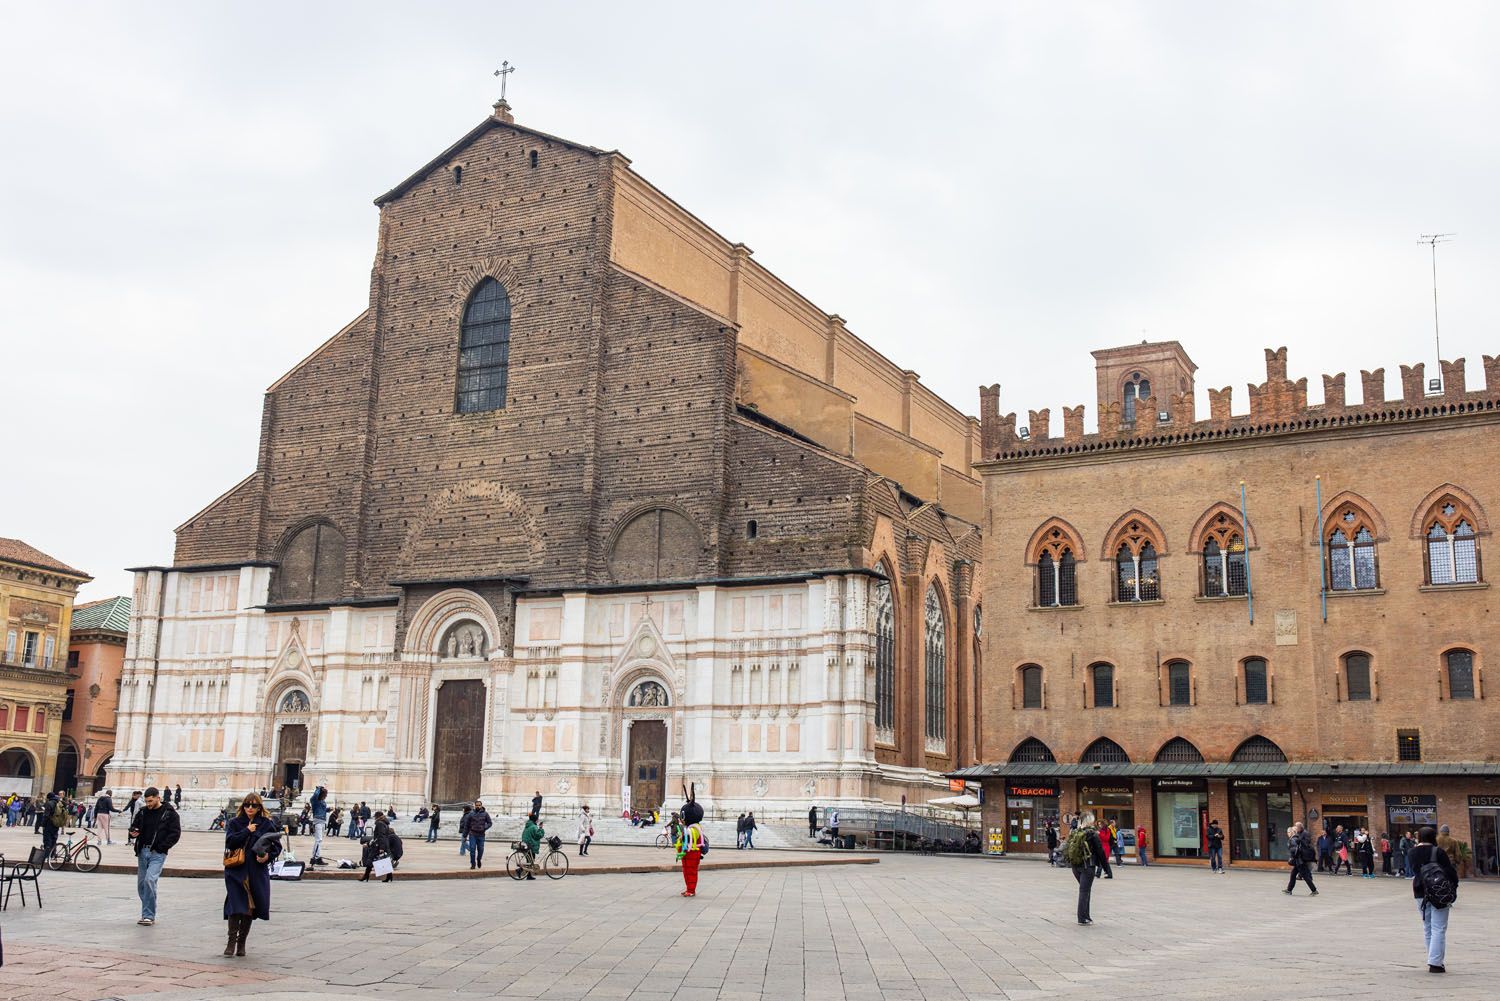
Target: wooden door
291 755
648 763
458 744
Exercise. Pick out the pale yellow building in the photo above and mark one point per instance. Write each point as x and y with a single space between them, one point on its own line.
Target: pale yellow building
36 607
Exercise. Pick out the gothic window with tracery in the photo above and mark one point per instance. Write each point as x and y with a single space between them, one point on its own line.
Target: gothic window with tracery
1452 545
1137 389
937 668
1137 575
885 661
1351 550
484 349
1056 570
1224 572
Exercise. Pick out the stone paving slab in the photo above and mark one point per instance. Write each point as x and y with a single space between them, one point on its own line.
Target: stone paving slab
910 929
200 854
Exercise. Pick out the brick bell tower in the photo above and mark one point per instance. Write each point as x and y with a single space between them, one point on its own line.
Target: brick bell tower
1137 372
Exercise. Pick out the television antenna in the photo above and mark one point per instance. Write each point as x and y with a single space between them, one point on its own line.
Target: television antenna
1432 240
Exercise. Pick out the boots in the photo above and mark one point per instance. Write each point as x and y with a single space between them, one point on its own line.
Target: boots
239 945
234 931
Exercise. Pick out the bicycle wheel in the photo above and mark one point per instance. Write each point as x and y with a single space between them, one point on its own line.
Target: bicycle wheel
515 865
556 865
57 858
662 841
87 858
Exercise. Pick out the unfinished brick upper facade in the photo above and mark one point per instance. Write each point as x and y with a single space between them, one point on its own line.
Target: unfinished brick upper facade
673 415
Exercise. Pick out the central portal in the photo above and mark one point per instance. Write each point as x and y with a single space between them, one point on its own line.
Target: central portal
291 755
458 742
647 770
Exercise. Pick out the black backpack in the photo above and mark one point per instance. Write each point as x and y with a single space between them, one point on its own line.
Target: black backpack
1305 850
1437 888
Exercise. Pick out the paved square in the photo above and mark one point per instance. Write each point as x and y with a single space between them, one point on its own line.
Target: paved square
908 929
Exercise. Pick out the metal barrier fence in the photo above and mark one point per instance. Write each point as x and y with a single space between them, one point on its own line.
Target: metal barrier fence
895 830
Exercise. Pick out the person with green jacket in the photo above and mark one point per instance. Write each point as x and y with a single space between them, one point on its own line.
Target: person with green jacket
531 837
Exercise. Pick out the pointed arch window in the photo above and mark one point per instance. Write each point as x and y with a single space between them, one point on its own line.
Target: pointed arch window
1056 570
1351 550
885 662
1137 389
1224 573
1452 545
1137 573
936 671
1105 752
1032 751
1178 751
1260 749
484 349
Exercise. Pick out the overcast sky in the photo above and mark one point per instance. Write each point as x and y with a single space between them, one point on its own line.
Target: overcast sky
986 193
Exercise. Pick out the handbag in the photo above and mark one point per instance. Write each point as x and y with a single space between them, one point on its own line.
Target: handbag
234 859
383 866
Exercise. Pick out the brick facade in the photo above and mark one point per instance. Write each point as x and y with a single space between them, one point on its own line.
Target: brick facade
1395 463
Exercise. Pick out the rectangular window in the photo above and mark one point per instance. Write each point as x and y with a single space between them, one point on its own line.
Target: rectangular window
48 649
1408 745
23 718
73 656
1357 678
28 651
1180 684
10 647
1460 674
1257 691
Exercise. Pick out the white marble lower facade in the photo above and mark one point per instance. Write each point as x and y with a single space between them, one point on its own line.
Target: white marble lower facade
762 695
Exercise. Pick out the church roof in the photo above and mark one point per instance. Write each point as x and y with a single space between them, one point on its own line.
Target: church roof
16 551
109 615
473 134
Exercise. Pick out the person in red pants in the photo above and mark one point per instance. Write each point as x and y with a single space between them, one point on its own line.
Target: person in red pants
691 845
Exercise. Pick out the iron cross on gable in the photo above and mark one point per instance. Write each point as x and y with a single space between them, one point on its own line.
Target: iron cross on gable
505 70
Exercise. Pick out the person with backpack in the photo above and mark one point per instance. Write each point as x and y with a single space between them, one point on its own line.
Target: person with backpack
1435 887
1215 847
1300 854
1084 854
54 820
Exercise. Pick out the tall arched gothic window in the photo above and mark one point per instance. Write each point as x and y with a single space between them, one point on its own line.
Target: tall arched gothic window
1351 550
1223 558
1452 545
885 662
937 671
1137 575
484 349
1056 568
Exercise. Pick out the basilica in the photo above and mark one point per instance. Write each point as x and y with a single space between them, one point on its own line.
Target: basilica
584 500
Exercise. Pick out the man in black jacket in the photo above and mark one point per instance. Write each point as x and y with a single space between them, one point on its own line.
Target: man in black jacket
1300 855
1434 916
1096 860
812 821
536 805
155 830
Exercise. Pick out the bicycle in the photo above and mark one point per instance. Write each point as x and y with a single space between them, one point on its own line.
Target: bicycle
664 840
84 856
519 864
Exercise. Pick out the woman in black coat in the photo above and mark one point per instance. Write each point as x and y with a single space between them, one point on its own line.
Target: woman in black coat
248 885
378 844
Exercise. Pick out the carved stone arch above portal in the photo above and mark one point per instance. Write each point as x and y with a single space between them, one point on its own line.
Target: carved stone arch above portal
479 528
456 615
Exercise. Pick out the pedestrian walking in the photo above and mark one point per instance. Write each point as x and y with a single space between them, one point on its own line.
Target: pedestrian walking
1325 852
1215 847
463 830
536 804
251 843
812 821
177 797
317 810
1300 852
1084 854
691 844
1403 850
432 823
1385 855
739 832
750 827
1051 843
1364 847
364 817
585 830
479 823
378 845
154 829
104 808
1435 886
1140 845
